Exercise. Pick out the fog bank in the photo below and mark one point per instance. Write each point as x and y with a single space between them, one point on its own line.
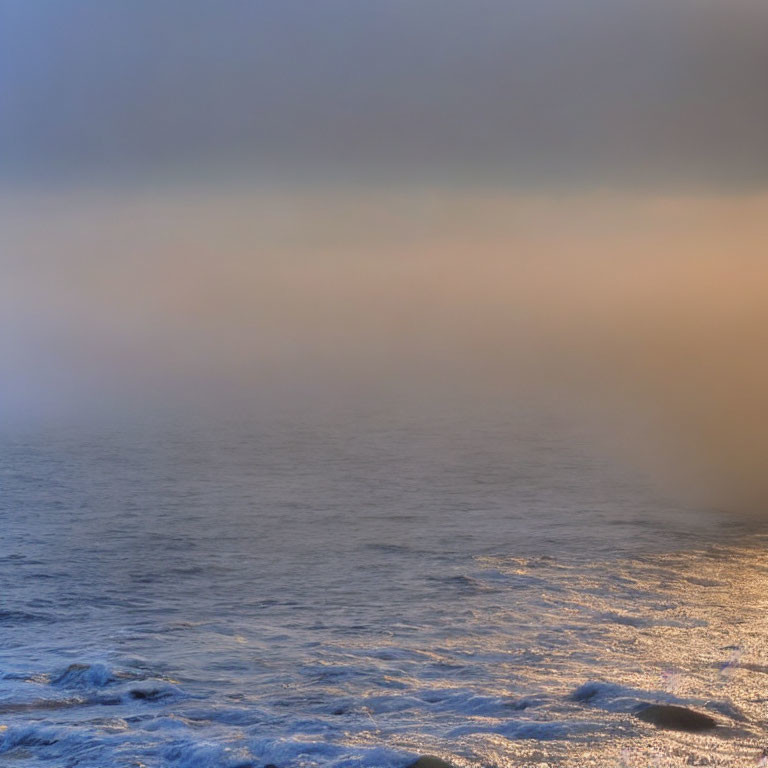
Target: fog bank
645 316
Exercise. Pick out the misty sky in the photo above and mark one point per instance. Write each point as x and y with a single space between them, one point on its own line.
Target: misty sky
659 93
287 203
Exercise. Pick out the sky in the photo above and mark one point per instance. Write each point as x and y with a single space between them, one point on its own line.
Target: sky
505 92
280 202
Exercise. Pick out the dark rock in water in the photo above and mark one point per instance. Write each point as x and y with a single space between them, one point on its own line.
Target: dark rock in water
429 761
147 694
676 718
586 692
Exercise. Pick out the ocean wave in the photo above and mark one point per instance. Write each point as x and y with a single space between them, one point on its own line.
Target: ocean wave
31 735
23 617
618 698
84 676
316 754
528 729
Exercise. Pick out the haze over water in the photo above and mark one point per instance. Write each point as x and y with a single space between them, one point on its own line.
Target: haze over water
381 379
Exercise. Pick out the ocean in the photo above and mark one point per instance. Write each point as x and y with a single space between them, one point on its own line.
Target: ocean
359 588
